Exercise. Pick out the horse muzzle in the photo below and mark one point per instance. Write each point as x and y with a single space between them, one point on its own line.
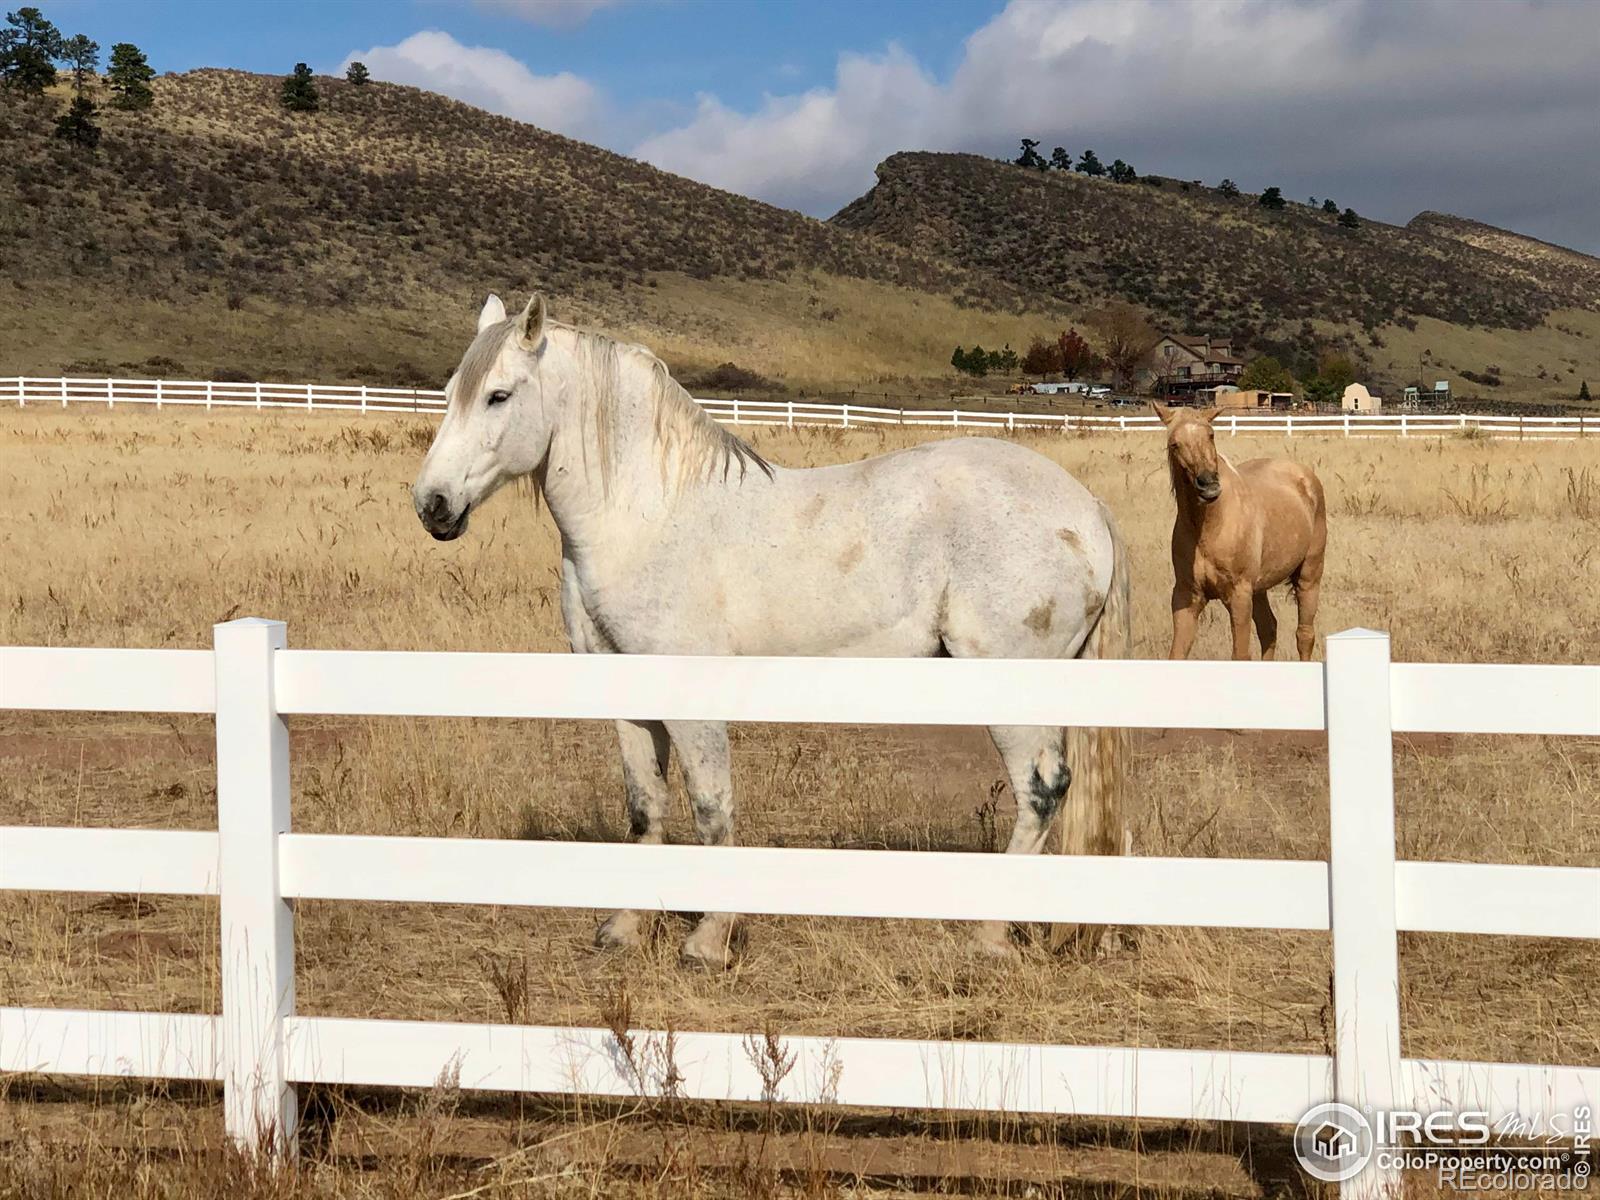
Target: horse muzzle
439 521
1209 489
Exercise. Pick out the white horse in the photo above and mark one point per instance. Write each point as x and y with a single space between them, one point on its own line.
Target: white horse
678 538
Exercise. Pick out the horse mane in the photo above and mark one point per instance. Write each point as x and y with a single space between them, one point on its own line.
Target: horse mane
685 437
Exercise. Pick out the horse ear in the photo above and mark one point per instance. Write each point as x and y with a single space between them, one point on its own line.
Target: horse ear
1162 411
1210 415
530 325
493 311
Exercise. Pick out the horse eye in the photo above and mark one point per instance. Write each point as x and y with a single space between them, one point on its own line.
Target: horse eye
498 398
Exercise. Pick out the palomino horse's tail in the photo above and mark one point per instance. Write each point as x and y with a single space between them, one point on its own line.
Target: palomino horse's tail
1091 820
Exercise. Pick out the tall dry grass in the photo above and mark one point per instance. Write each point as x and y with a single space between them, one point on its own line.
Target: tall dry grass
143 529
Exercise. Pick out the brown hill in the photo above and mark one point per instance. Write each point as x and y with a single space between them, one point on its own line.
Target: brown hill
1557 268
372 226
218 234
1293 281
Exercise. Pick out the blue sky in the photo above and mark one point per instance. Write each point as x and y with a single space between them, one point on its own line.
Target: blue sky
1484 108
644 53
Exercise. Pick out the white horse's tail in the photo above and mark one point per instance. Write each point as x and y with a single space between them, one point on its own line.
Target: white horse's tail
1092 818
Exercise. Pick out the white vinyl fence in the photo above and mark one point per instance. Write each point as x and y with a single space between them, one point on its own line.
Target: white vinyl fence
25 390
259 1047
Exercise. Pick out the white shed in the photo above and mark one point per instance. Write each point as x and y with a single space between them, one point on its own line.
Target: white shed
1357 399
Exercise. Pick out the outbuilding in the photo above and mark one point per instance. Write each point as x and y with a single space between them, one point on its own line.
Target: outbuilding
1357 399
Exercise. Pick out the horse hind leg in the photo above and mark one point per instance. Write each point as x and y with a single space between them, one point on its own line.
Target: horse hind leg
1266 624
1307 592
645 750
1037 767
708 773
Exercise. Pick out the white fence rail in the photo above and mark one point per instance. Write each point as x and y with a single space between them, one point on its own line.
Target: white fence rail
26 390
260 1048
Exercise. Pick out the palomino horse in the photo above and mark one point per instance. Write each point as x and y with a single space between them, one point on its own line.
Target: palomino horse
678 538
1240 531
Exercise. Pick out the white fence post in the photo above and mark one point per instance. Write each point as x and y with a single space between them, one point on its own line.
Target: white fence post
258 397
209 386
363 397
308 398
1361 853
158 395
847 416
257 964
791 414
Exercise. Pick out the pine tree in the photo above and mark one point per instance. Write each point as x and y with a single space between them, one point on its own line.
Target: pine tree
28 52
77 125
357 73
1121 172
300 90
1030 156
1090 164
1583 391
1228 188
1060 159
83 57
1329 207
1349 220
1272 198
129 77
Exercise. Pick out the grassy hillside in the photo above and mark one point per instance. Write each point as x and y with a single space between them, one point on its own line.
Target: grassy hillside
220 232
1292 281
219 235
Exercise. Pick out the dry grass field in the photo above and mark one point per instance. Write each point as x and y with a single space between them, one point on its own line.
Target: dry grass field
143 529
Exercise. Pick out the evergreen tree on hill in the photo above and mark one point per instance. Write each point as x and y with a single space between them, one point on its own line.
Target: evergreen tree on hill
29 47
300 90
129 77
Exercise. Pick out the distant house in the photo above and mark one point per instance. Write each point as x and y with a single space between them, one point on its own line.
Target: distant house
1356 398
1182 366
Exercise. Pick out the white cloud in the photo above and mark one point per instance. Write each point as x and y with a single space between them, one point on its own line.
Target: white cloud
1483 108
805 151
492 80
552 14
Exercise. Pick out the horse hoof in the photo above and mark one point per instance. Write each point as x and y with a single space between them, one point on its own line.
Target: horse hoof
998 951
701 958
619 931
708 948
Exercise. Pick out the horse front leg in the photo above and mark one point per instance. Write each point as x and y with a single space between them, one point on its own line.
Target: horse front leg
1187 605
1266 625
708 773
645 751
1241 607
